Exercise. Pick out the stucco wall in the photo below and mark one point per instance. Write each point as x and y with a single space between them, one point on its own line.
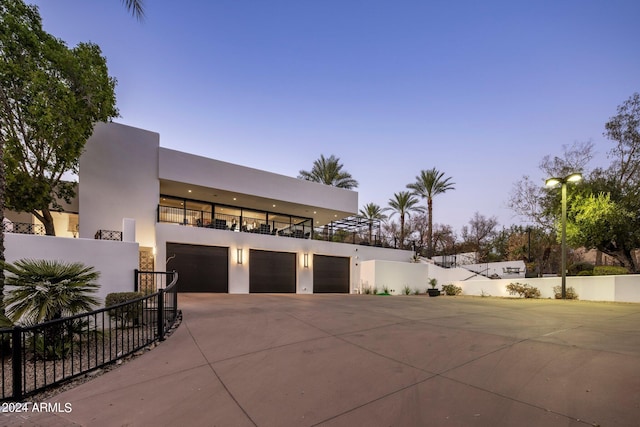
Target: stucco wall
116 261
589 288
239 273
119 179
394 275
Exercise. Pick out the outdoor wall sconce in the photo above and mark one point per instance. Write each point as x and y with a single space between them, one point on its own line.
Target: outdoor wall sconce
306 260
239 255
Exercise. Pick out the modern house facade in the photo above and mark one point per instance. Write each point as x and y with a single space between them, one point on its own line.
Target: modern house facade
223 227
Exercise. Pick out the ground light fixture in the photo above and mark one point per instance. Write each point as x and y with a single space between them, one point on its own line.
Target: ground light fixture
553 182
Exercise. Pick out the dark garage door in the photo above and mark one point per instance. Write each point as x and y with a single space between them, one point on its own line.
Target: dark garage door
200 268
272 271
330 274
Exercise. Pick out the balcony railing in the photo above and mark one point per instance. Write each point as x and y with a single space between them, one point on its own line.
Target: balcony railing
355 230
108 235
246 224
23 228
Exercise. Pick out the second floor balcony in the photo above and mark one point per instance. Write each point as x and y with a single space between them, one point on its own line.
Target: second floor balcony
355 230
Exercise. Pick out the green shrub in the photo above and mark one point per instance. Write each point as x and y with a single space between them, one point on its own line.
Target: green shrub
523 290
575 269
128 314
451 289
569 292
585 273
609 270
367 290
406 290
433 283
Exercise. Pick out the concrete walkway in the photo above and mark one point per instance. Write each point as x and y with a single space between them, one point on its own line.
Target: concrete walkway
362 360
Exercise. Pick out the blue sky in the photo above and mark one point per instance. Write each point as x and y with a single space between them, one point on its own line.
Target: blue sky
479 90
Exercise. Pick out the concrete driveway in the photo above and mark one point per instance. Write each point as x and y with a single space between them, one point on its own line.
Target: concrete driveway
362 360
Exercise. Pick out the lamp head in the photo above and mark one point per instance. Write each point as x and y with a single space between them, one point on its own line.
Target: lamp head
574 177
552 182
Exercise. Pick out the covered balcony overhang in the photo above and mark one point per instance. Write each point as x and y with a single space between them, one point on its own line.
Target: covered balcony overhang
320 215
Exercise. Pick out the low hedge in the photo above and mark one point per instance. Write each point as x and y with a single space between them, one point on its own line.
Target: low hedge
609 270
131 313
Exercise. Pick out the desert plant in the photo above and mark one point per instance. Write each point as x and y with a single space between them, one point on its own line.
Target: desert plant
406 290
452 289
523 290
374 290
569 292
609 270
45 290
129 313
433 282
367 290
416 291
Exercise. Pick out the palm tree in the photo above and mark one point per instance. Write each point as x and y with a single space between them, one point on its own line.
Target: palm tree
429 184
44 290
404 203
329 172
136 7
372 211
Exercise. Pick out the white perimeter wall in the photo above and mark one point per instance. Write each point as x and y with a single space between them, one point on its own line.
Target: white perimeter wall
591 288
394 275
239 273
116 261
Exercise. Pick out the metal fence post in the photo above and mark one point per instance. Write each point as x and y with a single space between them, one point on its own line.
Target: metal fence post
135 280
160 315
16 338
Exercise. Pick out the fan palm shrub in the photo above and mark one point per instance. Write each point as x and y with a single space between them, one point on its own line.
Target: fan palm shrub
43 290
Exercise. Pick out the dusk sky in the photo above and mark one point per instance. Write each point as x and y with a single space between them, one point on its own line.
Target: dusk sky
479 90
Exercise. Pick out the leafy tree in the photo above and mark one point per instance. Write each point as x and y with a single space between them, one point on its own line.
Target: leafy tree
404 204
428 185
50 98
329 171
371 212
478 234
47 290
599 222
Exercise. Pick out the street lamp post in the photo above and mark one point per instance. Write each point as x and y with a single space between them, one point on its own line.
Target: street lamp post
552 182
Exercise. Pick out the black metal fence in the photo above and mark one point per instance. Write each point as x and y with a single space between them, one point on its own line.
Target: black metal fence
108 235
149 282
23 228
37 357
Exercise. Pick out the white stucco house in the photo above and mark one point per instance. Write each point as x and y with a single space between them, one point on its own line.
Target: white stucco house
233 229
222 226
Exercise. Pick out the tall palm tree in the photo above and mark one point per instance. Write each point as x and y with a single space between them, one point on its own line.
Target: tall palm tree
429 184
404 203
372 211
329 171
136 7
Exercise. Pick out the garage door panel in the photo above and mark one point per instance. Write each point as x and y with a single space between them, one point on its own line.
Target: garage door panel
200 268
273 272
330 274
